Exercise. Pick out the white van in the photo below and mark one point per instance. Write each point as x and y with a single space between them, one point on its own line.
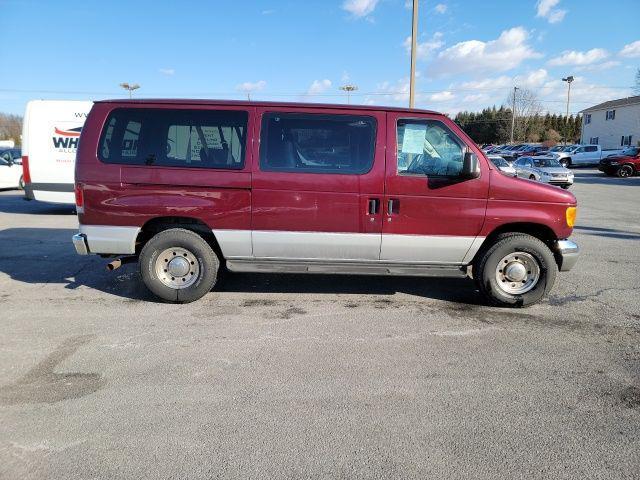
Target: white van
50 134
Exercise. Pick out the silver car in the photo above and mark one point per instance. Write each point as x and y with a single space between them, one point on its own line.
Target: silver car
502 165
544 169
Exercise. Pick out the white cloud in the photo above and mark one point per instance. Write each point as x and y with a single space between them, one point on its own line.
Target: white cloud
631 50
268 12
572 57
319 86
508 51
425 48
598 67
167 71
360 8
248 87
443 96
546 9
440 8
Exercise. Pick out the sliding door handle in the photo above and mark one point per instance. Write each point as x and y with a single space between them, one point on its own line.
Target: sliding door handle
374 206
393 206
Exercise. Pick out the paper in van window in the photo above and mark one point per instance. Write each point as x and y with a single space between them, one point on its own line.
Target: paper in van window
414 137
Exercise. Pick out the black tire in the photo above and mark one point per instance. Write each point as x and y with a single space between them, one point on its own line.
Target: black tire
484 270
532 177
625 171
21 183
208 263
566 187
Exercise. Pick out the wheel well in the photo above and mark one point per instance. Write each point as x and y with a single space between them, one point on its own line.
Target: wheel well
158 224
537 230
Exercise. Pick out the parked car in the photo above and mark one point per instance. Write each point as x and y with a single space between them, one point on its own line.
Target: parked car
502 165
184 186
626 164
524 151
544 169
578 155
10 170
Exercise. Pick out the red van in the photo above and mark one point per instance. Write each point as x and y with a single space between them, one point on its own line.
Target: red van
187 186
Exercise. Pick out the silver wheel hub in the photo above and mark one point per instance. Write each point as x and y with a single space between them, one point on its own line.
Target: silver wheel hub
177 268
517 273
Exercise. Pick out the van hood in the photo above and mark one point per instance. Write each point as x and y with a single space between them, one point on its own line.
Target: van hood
518 189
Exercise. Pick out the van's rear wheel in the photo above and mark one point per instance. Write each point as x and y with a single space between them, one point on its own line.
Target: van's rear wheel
178 265
518 270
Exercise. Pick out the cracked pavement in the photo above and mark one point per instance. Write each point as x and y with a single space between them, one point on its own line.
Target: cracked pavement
285 376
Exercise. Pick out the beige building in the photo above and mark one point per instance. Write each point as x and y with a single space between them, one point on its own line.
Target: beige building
612 124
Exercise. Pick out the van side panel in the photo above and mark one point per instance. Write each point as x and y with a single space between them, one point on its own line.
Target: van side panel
131 195
53 130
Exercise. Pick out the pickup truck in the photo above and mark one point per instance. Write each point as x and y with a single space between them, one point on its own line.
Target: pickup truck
583 155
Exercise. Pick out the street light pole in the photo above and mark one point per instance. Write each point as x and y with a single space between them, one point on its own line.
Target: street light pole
513 113
349 88
414 41
130 87
569 80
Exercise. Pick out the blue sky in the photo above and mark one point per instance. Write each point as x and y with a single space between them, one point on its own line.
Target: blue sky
471 53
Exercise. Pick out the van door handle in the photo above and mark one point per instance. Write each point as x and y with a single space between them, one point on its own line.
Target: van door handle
393 206
374 206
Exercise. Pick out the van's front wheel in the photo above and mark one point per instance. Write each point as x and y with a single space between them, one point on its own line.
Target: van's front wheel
518 270
178 265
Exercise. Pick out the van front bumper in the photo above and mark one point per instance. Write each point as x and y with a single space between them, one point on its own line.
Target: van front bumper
567 254
80 242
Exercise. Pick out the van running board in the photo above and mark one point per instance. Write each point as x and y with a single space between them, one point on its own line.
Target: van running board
346 268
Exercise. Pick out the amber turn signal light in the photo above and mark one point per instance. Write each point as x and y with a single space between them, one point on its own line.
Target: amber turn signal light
571 216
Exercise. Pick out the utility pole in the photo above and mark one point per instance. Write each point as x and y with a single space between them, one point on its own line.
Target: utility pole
414 40
568 79
131 87
349 88
513 113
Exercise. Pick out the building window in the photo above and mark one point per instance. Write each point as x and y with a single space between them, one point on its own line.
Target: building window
593 141
626 141
587 118
611 114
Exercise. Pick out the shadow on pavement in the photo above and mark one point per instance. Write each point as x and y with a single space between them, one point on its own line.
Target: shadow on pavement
598 178
609 232
43 255
14 202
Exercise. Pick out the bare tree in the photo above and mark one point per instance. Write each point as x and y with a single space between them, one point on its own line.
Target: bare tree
527 110
636 87
10 127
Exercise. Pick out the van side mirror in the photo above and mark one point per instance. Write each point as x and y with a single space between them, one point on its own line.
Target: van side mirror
470 166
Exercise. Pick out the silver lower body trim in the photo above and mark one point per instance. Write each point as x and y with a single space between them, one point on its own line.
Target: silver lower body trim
568 253
106 239
346 268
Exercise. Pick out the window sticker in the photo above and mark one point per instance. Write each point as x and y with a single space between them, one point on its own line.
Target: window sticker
414 138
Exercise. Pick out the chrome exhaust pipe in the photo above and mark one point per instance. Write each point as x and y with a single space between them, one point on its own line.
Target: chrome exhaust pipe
118 262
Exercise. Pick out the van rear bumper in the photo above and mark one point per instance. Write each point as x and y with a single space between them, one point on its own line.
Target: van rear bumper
80 243
106 240
567 254
50 192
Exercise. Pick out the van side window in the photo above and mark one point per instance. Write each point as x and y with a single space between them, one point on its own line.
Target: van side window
428 147
316 143
175 138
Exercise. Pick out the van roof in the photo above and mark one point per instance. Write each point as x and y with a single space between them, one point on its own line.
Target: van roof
180 101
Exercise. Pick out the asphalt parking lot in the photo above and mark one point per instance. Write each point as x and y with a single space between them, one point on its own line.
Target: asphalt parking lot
276 376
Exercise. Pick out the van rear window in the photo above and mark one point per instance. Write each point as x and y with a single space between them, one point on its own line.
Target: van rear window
175 138
317 143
